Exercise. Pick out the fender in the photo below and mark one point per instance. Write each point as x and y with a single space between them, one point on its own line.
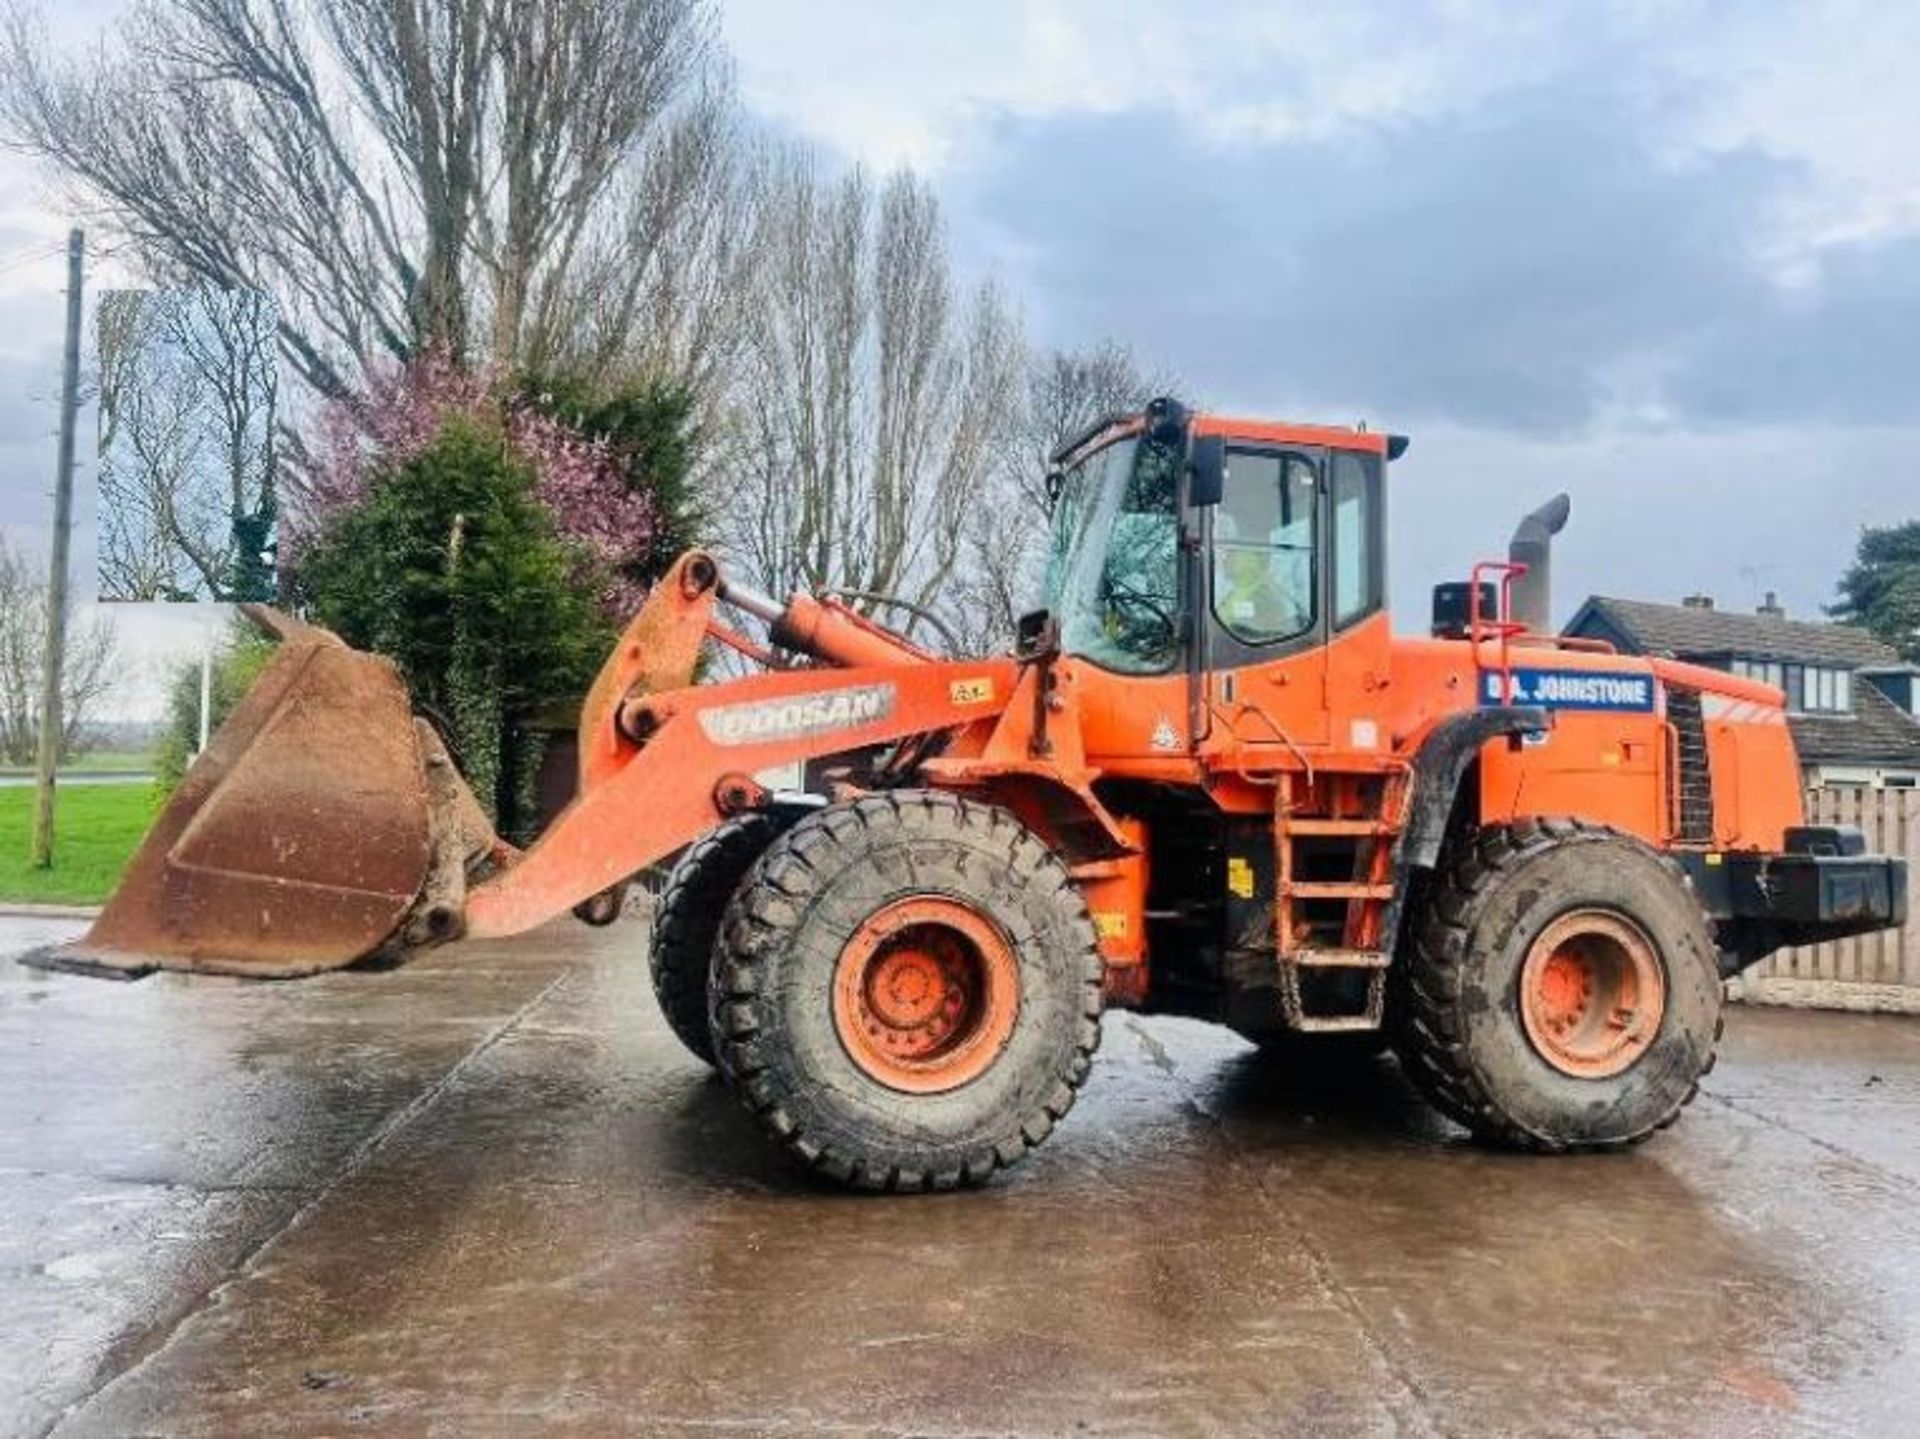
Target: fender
1442 761
1450 748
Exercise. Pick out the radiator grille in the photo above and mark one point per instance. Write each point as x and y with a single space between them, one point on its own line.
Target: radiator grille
1695 776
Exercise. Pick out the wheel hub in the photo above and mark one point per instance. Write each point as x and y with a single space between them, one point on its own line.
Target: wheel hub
925 995
907 988
1592 994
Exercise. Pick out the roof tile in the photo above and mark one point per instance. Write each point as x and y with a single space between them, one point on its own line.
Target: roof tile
1878 732
1688 633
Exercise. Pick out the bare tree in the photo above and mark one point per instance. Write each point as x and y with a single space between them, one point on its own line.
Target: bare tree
151 447
870 391
188 394
402 174
226 339
120 321
583 88
1064 392
91 663
659 283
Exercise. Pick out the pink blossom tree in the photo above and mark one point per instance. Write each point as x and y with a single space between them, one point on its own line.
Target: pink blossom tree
580 478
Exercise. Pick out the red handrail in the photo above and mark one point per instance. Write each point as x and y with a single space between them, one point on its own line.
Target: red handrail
1502 627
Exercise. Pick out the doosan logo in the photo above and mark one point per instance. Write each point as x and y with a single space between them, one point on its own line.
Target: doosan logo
765 721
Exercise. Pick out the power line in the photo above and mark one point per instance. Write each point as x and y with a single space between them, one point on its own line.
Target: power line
20 258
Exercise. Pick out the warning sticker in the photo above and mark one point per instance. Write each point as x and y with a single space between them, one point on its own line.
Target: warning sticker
1239 877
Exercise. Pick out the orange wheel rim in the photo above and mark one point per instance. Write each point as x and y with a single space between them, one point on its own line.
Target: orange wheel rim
1592 993
925 995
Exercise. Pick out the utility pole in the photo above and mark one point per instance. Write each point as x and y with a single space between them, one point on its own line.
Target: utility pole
51 721
206 698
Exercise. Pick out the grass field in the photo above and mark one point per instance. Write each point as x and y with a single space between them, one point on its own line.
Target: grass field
103 761
95 830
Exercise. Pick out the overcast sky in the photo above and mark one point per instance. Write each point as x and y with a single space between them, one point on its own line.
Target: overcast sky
33 230
1666 257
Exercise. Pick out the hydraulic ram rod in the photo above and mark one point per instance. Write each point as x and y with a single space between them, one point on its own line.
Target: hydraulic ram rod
825 629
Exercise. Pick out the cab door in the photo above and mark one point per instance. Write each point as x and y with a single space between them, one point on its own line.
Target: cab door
1262 592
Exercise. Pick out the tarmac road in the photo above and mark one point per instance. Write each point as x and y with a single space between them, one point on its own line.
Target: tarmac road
489 1194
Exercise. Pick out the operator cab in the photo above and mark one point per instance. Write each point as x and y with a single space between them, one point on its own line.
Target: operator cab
1275 534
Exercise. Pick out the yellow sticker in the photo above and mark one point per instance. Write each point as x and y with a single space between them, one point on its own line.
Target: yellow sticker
1714 859
970 692
1239 877
1110 924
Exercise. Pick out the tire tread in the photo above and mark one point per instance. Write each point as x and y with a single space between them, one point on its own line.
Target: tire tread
753 926
1430 1041
686 921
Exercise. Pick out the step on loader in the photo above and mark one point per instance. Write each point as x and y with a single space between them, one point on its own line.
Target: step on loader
1208 780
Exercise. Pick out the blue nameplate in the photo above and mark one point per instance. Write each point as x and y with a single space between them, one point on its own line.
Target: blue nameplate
1571 690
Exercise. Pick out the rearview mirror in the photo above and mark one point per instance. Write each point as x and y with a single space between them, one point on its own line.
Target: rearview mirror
1207 477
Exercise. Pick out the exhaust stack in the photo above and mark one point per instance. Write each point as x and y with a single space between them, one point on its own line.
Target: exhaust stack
1532 546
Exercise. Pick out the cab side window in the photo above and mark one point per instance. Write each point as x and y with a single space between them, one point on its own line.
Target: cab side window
1265 547
1358 587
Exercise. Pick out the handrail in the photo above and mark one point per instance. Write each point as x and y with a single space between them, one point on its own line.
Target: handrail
1670 736
1502 627
1243 705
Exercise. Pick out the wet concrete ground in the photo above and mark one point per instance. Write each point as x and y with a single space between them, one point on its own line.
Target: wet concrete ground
488 1194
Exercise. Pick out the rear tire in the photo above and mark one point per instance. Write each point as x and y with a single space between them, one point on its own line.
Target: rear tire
908 991
1561 992
686 922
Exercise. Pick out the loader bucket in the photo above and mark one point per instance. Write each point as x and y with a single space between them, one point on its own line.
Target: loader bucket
302 839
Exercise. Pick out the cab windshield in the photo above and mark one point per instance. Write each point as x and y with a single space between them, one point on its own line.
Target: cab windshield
1111 573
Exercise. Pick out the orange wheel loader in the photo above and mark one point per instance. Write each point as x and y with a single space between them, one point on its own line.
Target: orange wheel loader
1208 780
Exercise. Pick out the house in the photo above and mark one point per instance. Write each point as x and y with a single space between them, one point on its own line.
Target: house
1850 698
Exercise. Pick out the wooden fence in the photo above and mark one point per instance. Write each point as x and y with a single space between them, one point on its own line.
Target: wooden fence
1872 971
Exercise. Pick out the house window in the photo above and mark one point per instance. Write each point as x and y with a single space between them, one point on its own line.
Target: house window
1810 689
1824 690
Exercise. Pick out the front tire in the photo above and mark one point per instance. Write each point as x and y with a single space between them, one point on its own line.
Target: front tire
686 922
908 991
1561 992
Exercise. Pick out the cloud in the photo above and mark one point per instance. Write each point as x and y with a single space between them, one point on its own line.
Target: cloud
1536 264
1547 218
1830 85
884 82
1843 348
1826 85
1655 514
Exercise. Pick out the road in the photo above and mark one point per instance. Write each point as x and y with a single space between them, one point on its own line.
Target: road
488 1194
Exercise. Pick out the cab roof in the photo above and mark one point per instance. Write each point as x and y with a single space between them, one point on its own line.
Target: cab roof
1107 429
1282 432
